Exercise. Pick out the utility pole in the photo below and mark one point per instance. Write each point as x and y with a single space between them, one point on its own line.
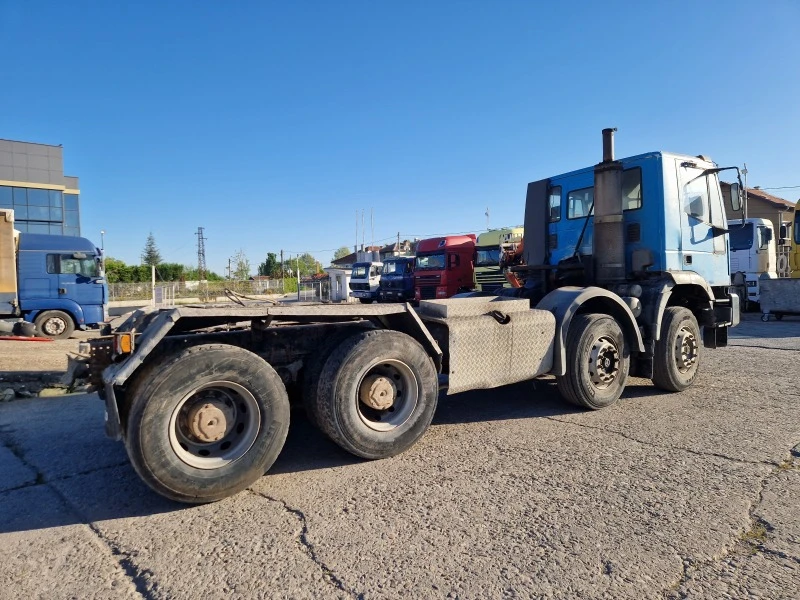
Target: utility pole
297 259
201 254
283 283
229 268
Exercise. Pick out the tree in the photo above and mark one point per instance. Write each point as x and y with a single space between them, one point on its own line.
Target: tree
240 266
270 267
306 263
341 253
150 255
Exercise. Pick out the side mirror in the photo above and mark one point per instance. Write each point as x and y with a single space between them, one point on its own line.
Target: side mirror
784 232
736 197
767 235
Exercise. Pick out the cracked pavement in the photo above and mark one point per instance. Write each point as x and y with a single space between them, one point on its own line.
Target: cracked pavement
511 493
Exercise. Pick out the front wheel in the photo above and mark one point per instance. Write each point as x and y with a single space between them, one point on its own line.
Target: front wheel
207 423
677 353
55 324
365 300
597 362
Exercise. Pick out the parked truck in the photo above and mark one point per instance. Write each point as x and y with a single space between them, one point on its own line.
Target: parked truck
397 279
52 281
752 254
489 246
794 252
444 266
365 280
199 394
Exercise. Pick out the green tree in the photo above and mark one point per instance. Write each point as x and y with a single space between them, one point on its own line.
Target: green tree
270 267
341 253
307 264
190 273
150 255
240 266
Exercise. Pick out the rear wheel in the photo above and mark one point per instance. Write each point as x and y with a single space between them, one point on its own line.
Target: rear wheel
597 363
55 324
209 422
377 394
677 353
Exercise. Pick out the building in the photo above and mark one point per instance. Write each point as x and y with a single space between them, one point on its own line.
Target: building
32 182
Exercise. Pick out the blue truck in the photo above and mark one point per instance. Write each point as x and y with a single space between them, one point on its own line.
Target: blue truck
625 274
53 281
397 279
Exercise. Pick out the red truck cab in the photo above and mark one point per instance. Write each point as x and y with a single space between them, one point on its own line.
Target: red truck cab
444 266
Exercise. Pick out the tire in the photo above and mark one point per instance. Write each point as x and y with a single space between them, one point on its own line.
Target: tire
398 371
765 317
365 300
594 339
778 316
676 361
312 370
55 324
165 441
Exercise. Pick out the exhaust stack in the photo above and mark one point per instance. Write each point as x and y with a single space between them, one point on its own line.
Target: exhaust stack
609 230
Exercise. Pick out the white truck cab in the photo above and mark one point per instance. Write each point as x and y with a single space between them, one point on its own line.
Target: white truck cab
752 253
365 281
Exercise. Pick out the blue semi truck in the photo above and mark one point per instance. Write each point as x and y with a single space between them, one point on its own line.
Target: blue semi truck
53 281
397 279
625 274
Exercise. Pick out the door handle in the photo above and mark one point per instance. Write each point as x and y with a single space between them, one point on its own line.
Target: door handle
62 290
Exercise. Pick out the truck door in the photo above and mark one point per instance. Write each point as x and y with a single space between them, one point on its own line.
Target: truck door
700 211
77 278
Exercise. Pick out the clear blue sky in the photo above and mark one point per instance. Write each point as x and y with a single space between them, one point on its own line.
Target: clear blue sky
272 123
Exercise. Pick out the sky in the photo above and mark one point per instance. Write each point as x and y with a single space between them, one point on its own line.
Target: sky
273 125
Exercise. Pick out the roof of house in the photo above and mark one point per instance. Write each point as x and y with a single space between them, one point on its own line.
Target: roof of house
762 195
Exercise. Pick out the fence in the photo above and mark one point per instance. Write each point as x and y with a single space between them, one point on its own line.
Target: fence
212 291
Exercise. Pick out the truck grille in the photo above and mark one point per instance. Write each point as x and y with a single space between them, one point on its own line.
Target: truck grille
427 292
428 279
359 286
392 284
490 280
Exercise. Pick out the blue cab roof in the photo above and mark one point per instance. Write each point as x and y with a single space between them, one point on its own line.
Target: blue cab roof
55 243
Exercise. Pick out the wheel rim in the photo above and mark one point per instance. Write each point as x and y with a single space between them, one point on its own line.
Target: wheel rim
54 326
387 395
685 350
603 362
214 425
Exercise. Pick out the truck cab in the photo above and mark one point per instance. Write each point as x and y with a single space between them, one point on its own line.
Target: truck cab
365 281
444 266
488 249
794 250
752 254
397 279
56 282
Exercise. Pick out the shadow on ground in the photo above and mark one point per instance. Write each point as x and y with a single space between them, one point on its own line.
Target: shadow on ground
81 477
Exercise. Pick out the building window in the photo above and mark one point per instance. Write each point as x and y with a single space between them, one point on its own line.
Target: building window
20 196
38 197
56 199
6 200
71 201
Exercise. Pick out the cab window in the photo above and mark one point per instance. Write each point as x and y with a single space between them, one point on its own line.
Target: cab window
579 203
64 264
554 204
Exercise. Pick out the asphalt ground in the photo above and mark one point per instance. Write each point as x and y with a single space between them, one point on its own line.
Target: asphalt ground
510 494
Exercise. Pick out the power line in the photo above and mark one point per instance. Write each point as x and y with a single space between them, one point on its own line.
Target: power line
785 187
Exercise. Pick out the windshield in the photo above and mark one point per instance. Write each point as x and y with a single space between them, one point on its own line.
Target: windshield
488 257
396 267
359 272
430 261
741 237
